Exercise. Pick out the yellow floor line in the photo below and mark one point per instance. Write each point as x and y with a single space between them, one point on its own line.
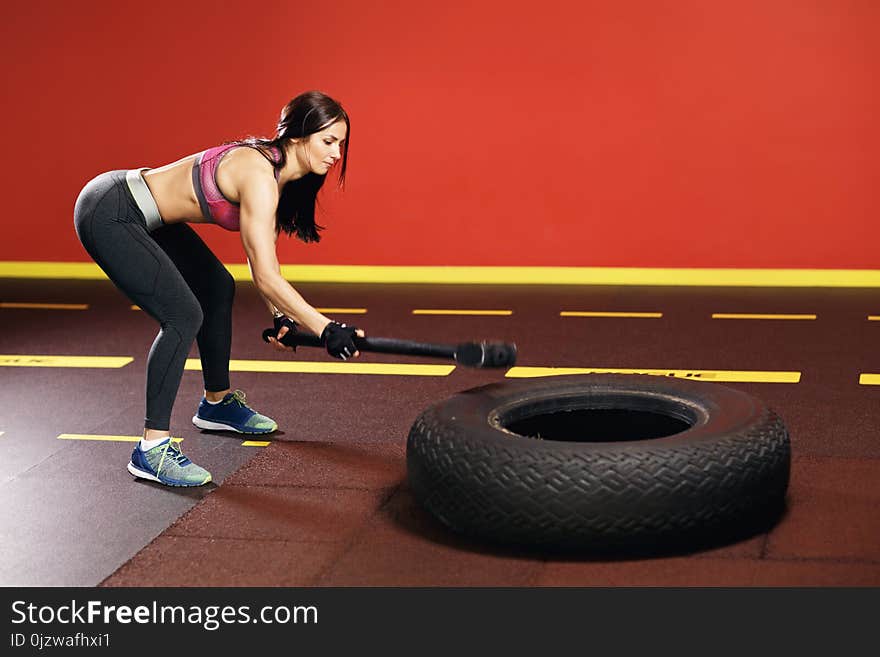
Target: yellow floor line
314 367
343 311
446 274
115 439
874 318
45 306
578 313
104 362
739 376
752 316
428 311
869 379
256 443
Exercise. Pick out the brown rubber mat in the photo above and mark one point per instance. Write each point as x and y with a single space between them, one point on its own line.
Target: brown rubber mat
327 502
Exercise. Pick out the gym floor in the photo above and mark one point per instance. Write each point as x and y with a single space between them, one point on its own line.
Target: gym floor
325 501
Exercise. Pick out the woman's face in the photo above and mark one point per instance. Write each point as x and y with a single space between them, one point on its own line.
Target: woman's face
323 149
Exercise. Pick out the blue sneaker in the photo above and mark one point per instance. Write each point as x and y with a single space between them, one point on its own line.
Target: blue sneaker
166 464
232 414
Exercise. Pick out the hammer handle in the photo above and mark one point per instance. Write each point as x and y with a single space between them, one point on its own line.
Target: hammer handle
380 345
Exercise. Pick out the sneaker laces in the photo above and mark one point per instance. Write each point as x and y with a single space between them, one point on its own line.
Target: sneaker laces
240 397
172 453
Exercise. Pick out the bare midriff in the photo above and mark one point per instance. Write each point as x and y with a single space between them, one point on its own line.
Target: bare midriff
172 188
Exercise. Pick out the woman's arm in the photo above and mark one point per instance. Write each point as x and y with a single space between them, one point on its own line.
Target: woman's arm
271 306
258 193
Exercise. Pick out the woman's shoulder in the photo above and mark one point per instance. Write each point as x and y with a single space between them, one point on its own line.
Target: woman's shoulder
263 157
243 166
247 155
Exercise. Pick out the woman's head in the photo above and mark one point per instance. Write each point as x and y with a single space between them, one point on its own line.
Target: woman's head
318 128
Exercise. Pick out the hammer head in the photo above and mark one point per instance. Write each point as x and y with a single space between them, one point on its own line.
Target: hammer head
486 354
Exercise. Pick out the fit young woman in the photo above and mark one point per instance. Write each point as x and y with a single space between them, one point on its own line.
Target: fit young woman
133 223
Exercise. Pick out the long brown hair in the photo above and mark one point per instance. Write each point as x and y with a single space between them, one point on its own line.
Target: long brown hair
308 113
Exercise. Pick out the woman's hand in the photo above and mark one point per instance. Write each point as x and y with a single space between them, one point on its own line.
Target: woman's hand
283 326
339 340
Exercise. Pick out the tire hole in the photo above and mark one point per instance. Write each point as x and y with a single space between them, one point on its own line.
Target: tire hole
598 425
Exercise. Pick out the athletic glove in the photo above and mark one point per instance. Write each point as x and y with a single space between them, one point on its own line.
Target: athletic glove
288 337
339 340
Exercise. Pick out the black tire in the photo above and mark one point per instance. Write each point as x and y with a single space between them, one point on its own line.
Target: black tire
722 477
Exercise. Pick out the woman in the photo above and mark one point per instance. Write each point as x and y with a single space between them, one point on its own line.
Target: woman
134 225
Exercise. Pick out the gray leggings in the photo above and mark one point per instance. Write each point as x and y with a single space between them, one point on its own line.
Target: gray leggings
171 274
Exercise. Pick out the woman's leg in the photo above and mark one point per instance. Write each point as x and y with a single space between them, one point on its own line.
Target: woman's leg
112 230
214 288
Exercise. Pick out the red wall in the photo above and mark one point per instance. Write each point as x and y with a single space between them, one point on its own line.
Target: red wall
651 133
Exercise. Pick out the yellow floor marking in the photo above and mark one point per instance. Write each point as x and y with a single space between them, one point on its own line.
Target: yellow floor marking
343 311
869 379
135 307
740 376
45 306
314 367
115 439
21 360
874 318
578 313
256 443
499 275
429 311
748 316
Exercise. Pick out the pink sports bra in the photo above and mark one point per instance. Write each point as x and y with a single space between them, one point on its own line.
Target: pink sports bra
216 207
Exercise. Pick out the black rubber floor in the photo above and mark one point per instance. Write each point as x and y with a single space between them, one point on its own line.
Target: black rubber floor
72 515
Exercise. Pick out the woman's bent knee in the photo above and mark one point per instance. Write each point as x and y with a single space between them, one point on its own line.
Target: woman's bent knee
187 322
